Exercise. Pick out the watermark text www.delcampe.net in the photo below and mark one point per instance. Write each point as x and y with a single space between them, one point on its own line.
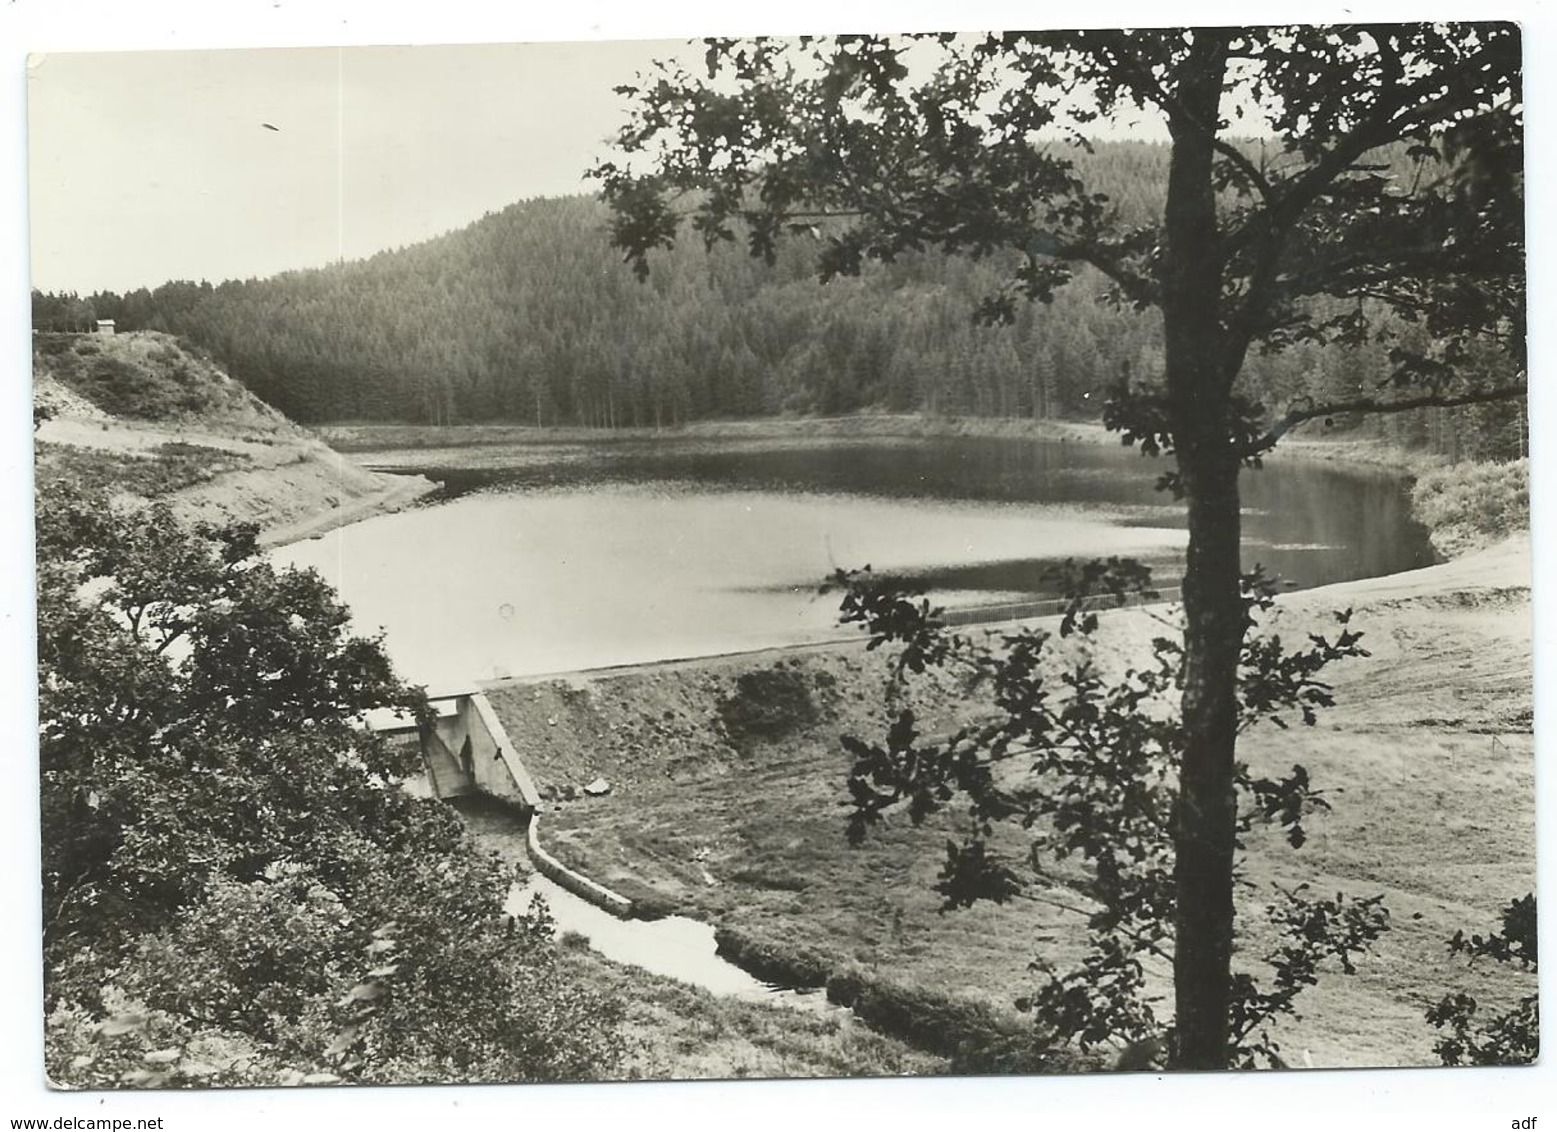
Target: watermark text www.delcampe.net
92 1123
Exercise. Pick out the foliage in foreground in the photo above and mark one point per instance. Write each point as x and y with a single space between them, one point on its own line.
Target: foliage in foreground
1086 761
1508 1038
236 889
877 147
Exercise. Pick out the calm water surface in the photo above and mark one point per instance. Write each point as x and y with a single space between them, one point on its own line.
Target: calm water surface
571 556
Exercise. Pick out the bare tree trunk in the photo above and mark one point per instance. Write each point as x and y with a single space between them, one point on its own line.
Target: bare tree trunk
1199 386
1204 825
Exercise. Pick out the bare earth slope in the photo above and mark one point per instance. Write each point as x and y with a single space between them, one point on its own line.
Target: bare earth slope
146 413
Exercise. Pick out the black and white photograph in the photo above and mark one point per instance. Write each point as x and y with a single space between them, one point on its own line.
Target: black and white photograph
983 552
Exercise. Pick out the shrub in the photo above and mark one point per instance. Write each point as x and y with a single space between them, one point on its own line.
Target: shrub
1478 1037
782 964
161 386
174 467
1472 505
977 1037
647 904
201 885
781 880
768 704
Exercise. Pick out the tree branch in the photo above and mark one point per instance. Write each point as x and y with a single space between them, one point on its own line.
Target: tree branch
1409 108
1296 417
1147 85
1137 287
1394 115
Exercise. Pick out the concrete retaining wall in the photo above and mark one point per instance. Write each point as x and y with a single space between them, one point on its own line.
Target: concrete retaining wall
468 750
575 882
492 766
494 761
444 773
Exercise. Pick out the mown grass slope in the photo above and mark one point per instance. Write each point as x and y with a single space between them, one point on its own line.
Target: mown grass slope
1428 761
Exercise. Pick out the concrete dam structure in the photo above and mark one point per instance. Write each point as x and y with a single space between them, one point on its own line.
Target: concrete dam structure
467 751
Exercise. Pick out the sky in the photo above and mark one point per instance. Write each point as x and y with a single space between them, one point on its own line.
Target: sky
156 165
149 166
146 167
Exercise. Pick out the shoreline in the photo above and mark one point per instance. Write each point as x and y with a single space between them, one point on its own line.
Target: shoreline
1303 443
355 438
398 492
294 489
409 449
1505 565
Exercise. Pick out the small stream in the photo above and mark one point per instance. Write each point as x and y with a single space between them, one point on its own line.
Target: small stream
674 947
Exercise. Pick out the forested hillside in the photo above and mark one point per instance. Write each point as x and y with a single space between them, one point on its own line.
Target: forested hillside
528 316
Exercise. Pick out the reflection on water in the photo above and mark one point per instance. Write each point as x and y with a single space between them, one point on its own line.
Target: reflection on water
634 551
1357 519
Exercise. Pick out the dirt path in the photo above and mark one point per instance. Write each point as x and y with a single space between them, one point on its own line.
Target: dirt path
108 435
292 485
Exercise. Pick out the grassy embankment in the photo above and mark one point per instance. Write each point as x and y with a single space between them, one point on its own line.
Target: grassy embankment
726 783
157 420
675 1030
679 1032
1469 506
732 811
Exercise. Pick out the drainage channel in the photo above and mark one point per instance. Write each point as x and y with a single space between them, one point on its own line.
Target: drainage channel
675 947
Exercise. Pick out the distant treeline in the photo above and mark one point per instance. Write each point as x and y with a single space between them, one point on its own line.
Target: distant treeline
528 316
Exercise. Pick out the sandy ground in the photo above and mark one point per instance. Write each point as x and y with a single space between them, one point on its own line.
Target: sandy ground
105 434
390 493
